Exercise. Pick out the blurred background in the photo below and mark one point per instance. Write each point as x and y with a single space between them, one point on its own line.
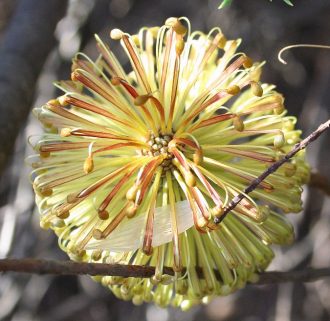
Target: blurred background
265 28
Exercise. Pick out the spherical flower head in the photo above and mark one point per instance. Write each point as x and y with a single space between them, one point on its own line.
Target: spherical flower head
134 167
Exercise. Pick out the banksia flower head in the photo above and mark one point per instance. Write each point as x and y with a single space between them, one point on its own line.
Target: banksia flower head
134 167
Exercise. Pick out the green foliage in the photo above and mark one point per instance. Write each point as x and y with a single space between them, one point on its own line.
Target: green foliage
226 3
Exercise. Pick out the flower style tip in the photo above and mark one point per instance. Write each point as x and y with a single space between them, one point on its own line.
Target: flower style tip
133 168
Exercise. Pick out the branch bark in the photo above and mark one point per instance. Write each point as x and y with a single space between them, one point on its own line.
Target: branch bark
271 169
25 47
37 266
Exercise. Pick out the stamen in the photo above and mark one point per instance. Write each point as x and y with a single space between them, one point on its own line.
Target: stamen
110 60
179 28
136 63
181 163
146 177
65 132
233 90
100 88
236 150
115 190
148 235
165 62
279 140
89 163
194 110
175 81
69 115
116 34
81 102
213 120
92 188
248 63
256 89
212 192
103 215
99 235
137 100
57 147
202 205
177 264
238 172
199 222
238 123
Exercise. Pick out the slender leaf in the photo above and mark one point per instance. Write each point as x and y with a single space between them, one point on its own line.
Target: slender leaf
288 2
226 3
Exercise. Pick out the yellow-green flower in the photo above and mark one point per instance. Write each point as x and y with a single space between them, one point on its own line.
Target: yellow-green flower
134 167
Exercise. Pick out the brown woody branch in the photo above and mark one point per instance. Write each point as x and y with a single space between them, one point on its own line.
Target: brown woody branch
271 169
37 266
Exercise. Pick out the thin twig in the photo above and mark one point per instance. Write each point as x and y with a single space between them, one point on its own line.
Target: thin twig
37 266
271 169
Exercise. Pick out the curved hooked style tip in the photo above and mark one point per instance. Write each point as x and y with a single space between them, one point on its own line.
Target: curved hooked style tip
279 56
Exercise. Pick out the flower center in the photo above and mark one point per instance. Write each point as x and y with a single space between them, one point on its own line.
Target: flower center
158 146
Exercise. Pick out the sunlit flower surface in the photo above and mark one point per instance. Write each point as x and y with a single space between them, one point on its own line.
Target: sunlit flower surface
134 167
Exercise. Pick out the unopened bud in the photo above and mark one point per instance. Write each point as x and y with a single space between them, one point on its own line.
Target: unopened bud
97 234
63 214
115 81
72 198
65 132
179 46
88 165
221 41
290 169
45 191
179 28
256 88
103 215
44 154
44 224
238 124
62 100
136 40
154 31
116 34
279 141
137 300
74 77
233 90
131 193
202 222
96 255
131 210
279 110
54 102
248 63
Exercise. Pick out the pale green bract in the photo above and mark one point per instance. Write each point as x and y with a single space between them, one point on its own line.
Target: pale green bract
133 168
